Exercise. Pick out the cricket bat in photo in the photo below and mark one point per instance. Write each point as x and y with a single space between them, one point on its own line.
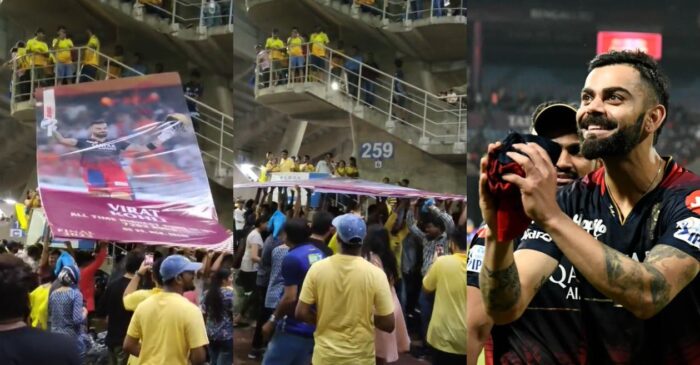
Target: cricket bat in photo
49 120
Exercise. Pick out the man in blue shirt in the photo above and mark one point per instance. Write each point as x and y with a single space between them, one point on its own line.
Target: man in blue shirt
352 69
276 222
293 341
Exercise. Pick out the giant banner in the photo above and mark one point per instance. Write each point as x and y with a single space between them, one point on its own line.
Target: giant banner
118 160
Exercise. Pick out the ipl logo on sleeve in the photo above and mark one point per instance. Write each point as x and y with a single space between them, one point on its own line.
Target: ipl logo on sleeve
688 230
476 258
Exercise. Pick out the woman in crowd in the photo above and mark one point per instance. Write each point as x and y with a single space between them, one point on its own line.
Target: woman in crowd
341 169
376 250
351 170
67 313
218 309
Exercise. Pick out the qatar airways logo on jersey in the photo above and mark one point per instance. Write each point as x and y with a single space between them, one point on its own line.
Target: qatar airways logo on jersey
563 278
594 227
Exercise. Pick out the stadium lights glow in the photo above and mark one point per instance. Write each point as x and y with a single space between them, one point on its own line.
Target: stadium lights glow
10 201
247 170
335 86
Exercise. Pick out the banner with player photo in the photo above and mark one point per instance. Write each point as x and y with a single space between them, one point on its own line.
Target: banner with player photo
118 160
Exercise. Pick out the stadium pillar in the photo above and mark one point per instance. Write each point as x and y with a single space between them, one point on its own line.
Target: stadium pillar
293 136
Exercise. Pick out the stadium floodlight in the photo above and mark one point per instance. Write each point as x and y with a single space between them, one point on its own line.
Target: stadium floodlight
247 170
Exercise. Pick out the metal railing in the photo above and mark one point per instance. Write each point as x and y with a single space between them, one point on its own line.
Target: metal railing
440 118
196 13
401 10
215 129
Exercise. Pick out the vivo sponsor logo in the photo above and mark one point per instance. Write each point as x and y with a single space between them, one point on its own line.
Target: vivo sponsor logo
533 234
476 258
688 230
594 227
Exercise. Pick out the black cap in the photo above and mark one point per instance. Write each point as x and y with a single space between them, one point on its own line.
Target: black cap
554 119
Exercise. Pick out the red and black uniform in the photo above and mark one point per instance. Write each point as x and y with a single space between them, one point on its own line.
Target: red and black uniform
101 165
668 215
550 329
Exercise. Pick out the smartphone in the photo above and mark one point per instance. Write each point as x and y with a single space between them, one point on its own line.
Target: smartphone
149 259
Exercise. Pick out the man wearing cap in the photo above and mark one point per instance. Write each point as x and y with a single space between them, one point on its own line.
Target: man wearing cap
631 229
171 329
346 315
293 342
549 326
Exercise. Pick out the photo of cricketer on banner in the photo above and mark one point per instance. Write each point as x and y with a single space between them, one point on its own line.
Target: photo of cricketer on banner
118 160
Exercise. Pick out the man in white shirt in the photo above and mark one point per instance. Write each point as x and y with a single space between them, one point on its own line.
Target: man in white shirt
325 166
239 221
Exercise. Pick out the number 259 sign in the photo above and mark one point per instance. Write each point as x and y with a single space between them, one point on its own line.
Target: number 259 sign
377 150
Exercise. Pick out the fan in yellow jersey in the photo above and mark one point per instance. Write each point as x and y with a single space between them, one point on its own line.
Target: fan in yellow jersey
170 329
351 170
276 47
318 40
306 165
296 55
91 58
340 170
38 52
63 58
346 315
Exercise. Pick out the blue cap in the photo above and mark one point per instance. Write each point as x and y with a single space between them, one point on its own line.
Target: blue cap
351 228
175 265
428 203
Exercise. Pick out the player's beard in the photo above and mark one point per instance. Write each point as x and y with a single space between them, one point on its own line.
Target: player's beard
619 143
101 135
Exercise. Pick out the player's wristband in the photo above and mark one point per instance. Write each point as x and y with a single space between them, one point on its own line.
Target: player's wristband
151 146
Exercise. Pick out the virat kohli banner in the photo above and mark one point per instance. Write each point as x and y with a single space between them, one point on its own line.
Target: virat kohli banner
118 160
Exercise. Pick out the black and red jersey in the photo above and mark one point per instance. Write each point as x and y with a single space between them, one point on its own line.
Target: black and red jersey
550 330
668 215
94 151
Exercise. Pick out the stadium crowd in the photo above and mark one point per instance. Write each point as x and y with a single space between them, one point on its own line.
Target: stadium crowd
156 304
291 257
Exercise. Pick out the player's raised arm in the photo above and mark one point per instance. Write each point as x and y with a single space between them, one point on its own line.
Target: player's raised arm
162 137
70 142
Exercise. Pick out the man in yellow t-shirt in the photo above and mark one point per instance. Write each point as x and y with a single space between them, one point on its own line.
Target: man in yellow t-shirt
306 165
171 329
91 58
296 55
63 58
318 40
447 332
286 162
346 315
276 48
38 52
133 297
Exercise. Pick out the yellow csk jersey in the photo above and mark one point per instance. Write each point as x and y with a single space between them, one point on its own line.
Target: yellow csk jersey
39 51
275 46
91 57
62 48
294 45
318 44
352 171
